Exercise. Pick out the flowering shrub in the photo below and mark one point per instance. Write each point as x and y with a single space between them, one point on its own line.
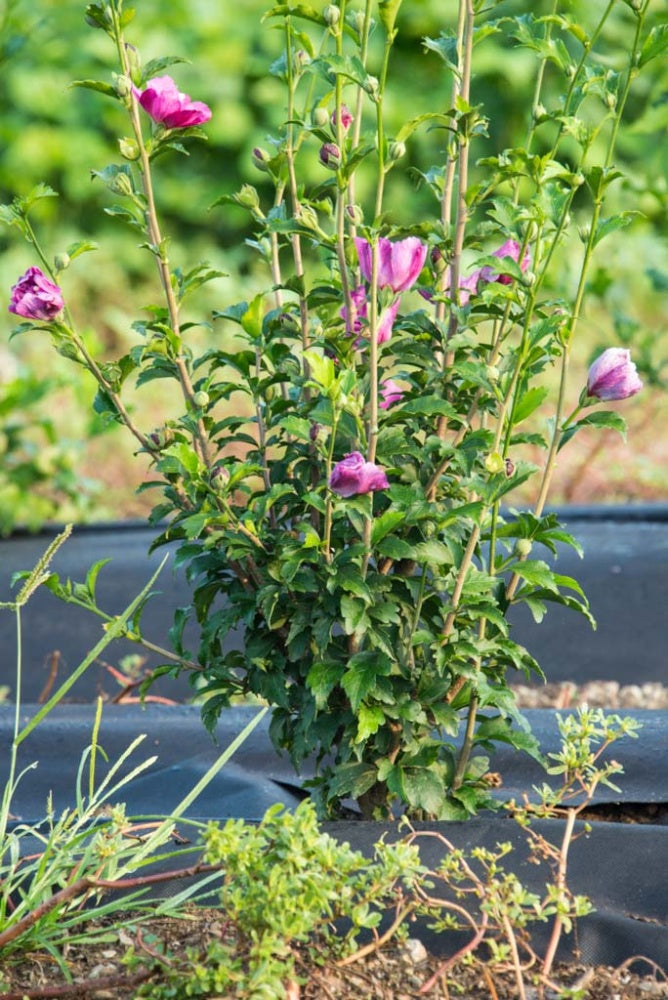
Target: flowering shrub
339 476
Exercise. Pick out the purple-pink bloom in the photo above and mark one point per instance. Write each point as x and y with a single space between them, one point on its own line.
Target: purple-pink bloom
484 275
353 475
35 297
613 375
360 313
511 248
390 393
166 105
399 263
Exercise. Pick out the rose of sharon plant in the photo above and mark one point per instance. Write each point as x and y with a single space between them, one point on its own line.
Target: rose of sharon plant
338 480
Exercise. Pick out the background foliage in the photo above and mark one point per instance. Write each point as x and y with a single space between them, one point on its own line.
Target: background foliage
58 135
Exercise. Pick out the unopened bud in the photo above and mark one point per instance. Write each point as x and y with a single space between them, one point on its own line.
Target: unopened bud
61 261
302 59
494 463
346 117
307 216
121 184
355 214
261 158
134 61
330 155
129 149
510 467
529 278
397 150
219 478
583 233
320 117
523 547
331 14
610 100
578 179
123 86
201 399
161 437
371 86
247 197
540 111
492 372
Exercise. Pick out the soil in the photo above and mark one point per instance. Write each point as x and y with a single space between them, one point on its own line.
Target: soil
397 971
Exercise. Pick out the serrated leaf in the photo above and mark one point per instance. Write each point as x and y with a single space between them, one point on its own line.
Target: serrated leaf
369 720
360 678
611 225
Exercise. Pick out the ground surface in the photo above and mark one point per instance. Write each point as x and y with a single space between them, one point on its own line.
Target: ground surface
393 973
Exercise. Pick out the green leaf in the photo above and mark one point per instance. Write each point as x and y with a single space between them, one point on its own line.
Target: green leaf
432 551
359 680
529 401
369 720
251 319
81 246
535 571
654 44
615 222
387 12
98 85
386 523
322 678
423 789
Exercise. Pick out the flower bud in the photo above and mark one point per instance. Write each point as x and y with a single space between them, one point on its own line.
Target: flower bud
121 183
528 279
610 100
330 155
494 463
346 118
540 111
201 399
510 467
219 477
355 214
129 149
523 547
320 117
61 261
247 197
307 216
397 150
161 437
123 86
261 159
331 14
493 374
302 59
371 86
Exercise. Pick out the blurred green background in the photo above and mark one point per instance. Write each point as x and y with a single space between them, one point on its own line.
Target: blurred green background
54 134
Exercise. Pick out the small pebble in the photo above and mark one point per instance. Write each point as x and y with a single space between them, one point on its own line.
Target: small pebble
415 951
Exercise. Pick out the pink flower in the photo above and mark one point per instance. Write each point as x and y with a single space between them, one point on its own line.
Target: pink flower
484 275
165 104
613 375
399 263
391 393
352 475
35 297
360 314
511 248
346 117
